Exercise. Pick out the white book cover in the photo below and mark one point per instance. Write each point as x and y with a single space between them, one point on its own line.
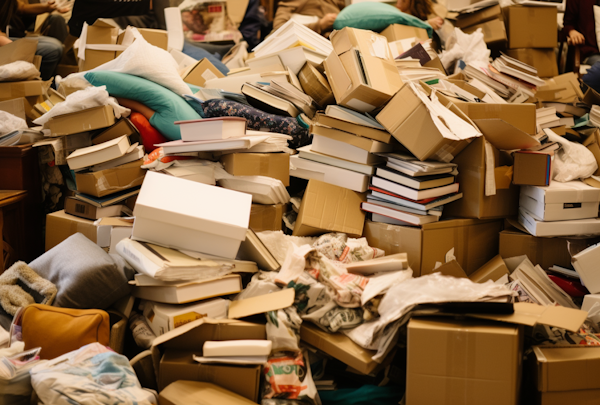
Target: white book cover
305 152
342 150
399 215
212 129
136 154
103 152
244 142
331 174
182 293
576 227
412 193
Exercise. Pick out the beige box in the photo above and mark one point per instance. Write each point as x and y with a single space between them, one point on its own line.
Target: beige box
267 217
493 270
531 27
396 32
122 127
463 362
315 85
110 181
357 51
543 251
274 165
59 226
494 32
329 208
81 121
474 241
520 116
201 72
478 17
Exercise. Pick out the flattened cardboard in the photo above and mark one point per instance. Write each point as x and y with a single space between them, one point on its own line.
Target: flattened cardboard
544 60
20 50
261 304
267 217
329 208
494 32
81 121
493 270
110 181
531 27
120 128
275 165
474 241
15 107
569 368
189 392
201 72
520 116
340 347
396 32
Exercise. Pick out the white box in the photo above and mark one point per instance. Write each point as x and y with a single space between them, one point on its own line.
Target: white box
308 169
561 201
163 318
589 300
558 228
183 214
586 265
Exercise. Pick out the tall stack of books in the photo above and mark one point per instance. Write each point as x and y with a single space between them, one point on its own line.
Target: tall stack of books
407 191
343 151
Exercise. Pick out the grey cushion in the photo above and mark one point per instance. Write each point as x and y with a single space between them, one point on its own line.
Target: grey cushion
85 275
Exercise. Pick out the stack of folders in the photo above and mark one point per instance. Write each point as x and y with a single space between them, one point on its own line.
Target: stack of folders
343 151
410 192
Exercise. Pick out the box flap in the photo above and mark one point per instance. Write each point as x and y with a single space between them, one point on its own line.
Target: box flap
261 304
190 392
530 314
20 50
452 268
504 136
492 270
336 74
114 221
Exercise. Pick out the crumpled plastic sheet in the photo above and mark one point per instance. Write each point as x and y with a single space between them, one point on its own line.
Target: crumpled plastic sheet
17 71
10 123
470 48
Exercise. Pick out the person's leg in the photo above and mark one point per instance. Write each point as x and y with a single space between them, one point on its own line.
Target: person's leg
590 60
55 26
199 53
50 49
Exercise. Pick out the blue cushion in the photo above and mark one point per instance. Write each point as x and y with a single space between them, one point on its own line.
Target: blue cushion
592 77
376 17
168 107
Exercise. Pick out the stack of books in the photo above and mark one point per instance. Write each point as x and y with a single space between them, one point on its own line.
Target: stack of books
280 98
343 151
407 191
546 118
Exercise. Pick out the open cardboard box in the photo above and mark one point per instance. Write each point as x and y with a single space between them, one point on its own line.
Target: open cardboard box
60 226
110 181
275 165
201 72
81 121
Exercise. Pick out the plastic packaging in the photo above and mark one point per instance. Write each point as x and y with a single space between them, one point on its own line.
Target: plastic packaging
572 161
17 71
142 334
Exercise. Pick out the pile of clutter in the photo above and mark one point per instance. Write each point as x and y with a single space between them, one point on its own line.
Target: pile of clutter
337 213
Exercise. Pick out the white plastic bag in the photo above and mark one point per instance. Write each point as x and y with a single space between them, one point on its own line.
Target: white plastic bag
82 100
9 123
19 70
470 48
571 162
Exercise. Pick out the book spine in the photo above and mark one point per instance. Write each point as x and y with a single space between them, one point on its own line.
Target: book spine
136 259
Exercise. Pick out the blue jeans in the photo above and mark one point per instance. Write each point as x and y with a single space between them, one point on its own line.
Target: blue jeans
198 53
51 50
590 60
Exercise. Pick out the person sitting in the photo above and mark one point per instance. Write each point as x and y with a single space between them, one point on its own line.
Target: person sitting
580 29
318 15
422 9
50 49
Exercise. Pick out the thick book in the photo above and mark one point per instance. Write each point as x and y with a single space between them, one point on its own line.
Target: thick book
306 152
403 216
354 127
402 207
83 209
309 169
411 193
136 154
267 102
151 289
245 142
418 183
504 65
96 154
424 205
343 150
411 166
210 129
109 199
168 264
252 248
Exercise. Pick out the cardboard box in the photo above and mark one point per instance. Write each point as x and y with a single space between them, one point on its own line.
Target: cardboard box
474 242
340 347
81 121
158 38
478 17
100 33
544 60
410 122
15 107
574 227
463 362
471 177
566 374
520 116
563 89
163 318
329 208
27 88
493 270
110 181
191 216
396 32
122 127
592 142
188 392
275 165
59 226
494 32
267 217
586 264
201 72
190 339
345 69
532 168
561 201
316 85
531 27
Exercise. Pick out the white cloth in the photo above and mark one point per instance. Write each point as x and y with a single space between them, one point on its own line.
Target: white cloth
17 71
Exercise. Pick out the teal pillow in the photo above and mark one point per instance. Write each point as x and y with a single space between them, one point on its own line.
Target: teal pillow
168 107
376 17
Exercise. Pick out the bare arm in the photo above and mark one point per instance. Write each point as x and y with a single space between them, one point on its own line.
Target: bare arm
136 106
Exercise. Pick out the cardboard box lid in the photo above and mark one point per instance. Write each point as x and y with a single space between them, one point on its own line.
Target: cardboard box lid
195 205
532 169
194 392
261 304
340 347
567 368
556 192
396 32
20 50
275 165
192 336
331 208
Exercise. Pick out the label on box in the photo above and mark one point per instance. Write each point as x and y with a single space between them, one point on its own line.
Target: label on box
571 205
186 318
